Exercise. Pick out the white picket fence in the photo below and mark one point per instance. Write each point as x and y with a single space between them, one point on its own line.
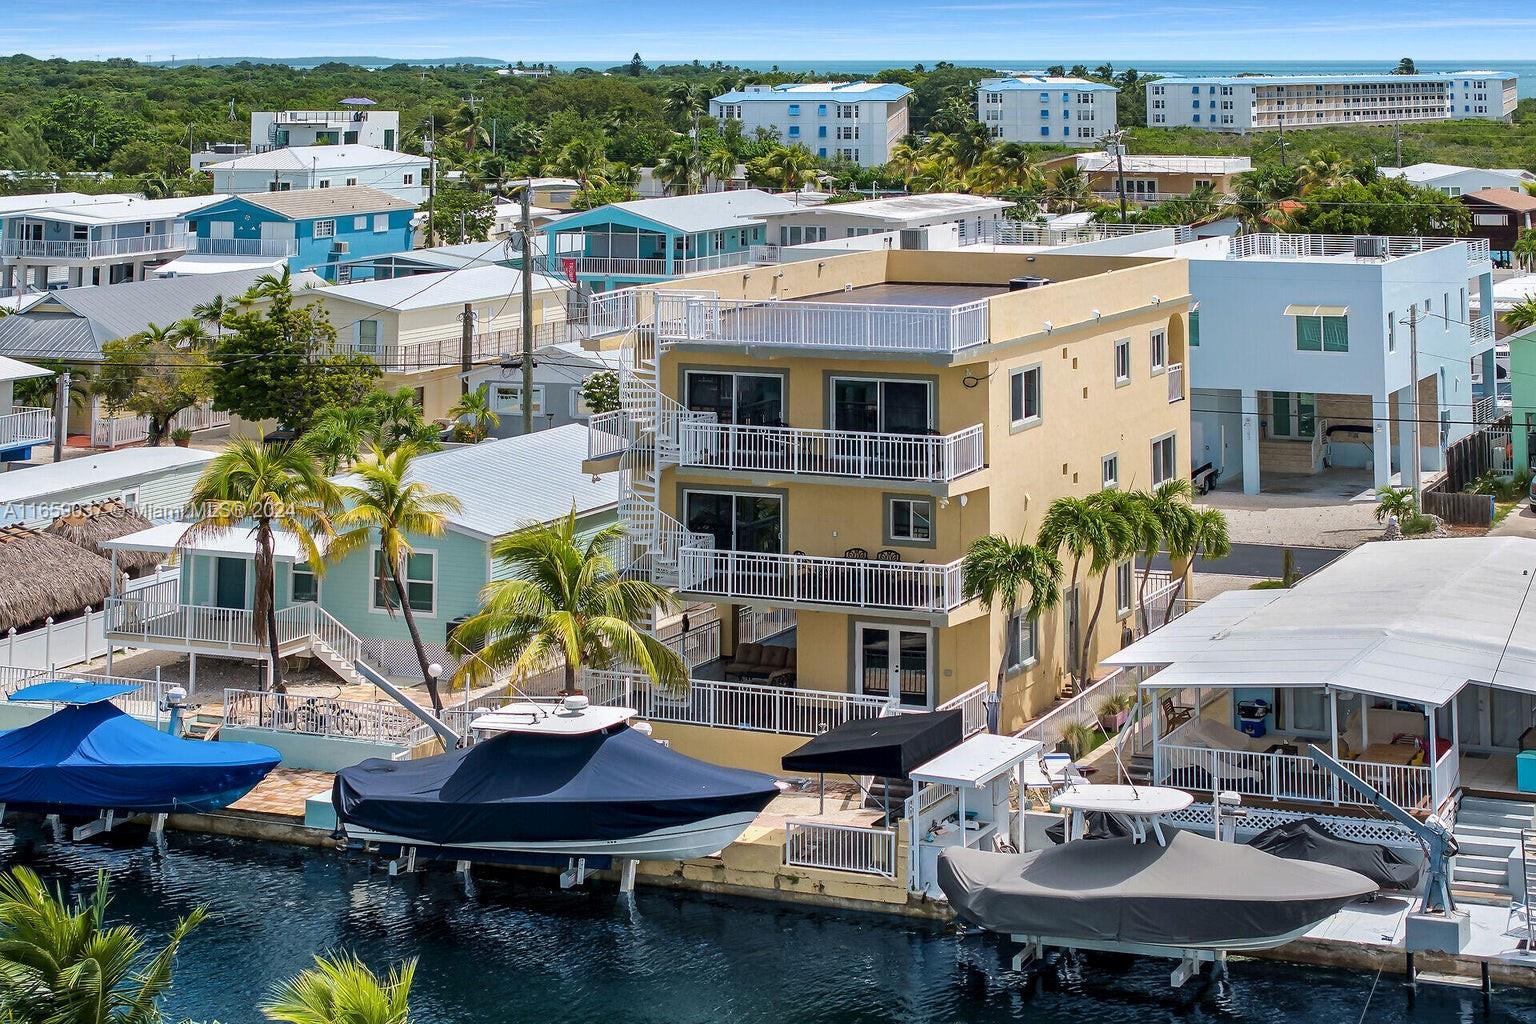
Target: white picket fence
115 431
811 843
80 639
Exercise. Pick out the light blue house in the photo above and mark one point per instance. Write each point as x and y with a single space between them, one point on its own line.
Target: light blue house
654 239
350 612
314 229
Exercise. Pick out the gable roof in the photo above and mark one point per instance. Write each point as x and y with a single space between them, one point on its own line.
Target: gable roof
704 211
323 158
830 92
508 484
314 203
1429 171
124 211
1504 198
449 288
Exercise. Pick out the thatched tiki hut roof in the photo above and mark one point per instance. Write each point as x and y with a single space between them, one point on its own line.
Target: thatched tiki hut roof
89 526
46 576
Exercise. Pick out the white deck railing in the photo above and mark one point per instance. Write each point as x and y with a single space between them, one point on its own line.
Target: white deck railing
840 325
757 625
376 721
832 452
1081 709
699 646
1313 246
785 710
853 582
973 705
274 247
810 843
114 431
22 426
1175 382
66 249
197 625
1018 232
1282 776
448 349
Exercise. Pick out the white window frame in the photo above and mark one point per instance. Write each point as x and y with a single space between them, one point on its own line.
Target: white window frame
1159 345
360 223
302 568
1109 470
1122 362
373 583
1125 580
514 398
1025 419
912 518
408 179
380 223
1021 628
325 229
1173 447
373 348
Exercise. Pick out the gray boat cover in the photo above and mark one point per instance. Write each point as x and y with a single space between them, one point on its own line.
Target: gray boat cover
1307 839
1195 892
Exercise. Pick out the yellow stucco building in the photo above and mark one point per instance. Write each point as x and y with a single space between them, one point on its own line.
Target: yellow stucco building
830 436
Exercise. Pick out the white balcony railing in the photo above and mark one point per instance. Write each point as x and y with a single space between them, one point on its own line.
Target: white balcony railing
112 431
23 426
831 452
838 325
1019 232
972 705
1288 776
851 582
791 711
274 247
1316 246
170 241
837 846
633 266
448 349
372 721
204 626
1175 382
320 116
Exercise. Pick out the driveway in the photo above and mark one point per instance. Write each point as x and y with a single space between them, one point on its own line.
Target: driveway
1266 561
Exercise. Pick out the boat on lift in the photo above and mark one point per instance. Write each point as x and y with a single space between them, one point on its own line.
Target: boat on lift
549 782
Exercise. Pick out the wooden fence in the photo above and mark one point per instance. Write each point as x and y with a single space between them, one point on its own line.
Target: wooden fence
1458 508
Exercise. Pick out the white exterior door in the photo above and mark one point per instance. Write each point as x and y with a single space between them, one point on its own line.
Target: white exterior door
895 660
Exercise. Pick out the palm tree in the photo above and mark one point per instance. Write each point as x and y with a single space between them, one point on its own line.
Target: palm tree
385 508
1323 168
1525 247
1070 190
277 287
720 164
998 570
470 127
188 333
1395 501
564 598
266 488
1406 66
61 964
1106 71
342 990
1521 315
586 160
474 414
397 419
1207 538
906 161
1092 529
676 169
337 434
214 312
791 168
1168 519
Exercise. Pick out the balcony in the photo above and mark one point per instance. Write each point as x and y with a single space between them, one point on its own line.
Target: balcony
448 349
630 266
19 248
865 327
22 427
840 453
320 116
192 627
273 247
1291 247
1175 382
811 579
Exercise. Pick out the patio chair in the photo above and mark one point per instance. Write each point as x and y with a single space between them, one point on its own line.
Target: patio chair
887 555
1174 715
856 553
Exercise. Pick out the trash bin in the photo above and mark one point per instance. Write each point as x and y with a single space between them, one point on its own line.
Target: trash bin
1252 717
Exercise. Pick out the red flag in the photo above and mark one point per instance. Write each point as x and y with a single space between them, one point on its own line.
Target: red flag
569 266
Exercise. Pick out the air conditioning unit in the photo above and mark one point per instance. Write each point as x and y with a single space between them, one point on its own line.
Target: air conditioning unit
1370 247
914 238
341 248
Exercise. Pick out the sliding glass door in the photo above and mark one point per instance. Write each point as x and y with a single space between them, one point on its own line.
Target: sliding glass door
882 406
749 399
737 522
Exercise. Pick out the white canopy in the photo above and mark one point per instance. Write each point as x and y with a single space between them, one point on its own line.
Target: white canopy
1411 620
233 543
977 761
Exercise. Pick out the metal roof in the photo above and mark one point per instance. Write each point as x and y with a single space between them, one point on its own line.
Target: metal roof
1385 77
1411 620
1424 172
101 470
314 203
904 209
449 288
1031 83
813 92
235 542
122 211
322 158
705 211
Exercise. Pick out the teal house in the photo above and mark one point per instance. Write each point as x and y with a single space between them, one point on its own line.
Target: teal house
1522 394
314 229
649 240
349 613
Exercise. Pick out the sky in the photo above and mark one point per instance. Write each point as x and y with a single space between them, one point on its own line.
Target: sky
801 30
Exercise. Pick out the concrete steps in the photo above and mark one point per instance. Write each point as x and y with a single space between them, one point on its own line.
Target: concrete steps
203 726
1487 832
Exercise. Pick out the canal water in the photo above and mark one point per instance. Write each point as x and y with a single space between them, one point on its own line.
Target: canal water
521 951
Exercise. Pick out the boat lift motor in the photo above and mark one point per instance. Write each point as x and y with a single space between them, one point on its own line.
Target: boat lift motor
1436 925
173 701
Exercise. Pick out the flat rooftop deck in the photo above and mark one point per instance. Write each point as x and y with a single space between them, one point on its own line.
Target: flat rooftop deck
909 294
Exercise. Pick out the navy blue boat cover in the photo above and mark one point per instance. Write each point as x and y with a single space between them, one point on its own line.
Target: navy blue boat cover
526 787
98 757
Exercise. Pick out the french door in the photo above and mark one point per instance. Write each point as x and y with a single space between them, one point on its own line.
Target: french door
895 660
1292 415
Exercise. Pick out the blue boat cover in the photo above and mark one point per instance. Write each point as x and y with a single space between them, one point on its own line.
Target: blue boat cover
527 787
70 691
97 757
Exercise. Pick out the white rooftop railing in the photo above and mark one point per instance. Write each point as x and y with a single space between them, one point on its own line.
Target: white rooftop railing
1266 246
870 326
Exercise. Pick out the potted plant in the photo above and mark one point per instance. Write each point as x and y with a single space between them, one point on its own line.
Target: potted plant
181 437
1079 738
1113 711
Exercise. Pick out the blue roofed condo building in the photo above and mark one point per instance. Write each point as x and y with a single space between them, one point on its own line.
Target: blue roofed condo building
855 121
1260 102
317 230
1041 108
650 240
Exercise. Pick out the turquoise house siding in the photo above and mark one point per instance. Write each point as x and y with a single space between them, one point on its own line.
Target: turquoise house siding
314 254
612 232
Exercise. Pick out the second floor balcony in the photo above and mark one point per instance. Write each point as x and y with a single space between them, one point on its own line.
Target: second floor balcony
273 247
92 249
22 426
447 349
798 578
839 453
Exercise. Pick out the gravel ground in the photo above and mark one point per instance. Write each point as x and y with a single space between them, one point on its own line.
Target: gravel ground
1295 520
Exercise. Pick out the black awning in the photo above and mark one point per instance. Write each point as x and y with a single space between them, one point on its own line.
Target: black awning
888 747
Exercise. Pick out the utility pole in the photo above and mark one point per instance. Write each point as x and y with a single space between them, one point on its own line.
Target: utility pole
1119 137
1283 161
429 143
466 347
1397 141
1414 454
60 415
525 229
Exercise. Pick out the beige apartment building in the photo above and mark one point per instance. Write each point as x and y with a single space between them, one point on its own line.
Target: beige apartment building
823 441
